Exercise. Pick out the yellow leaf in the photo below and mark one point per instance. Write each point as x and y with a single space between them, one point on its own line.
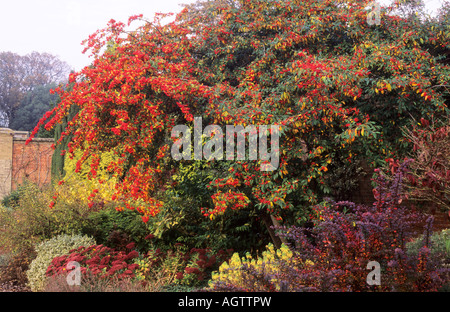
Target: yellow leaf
388 86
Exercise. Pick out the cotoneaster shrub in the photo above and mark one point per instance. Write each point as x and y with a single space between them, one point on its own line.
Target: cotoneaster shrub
48 250
315 69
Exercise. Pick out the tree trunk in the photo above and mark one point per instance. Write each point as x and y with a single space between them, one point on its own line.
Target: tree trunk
269 222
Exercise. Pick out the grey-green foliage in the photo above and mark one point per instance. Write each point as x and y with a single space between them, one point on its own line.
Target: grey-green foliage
47 250
31 109
4 258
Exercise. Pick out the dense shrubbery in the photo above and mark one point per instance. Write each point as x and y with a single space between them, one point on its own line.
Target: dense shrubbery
31 226
198 265
98 260
339 90
12 199
335 87
29 220
155 269
181 221
47 251
117 229
334 254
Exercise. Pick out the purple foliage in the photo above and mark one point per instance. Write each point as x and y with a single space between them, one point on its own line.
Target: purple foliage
346 237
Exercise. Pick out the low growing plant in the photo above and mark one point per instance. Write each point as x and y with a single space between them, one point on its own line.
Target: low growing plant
438 243
93 283
97 260
157 270
47 251
189 268
198 265
265 273
14 270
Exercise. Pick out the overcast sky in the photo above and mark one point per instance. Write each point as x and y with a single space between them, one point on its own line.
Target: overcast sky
59 26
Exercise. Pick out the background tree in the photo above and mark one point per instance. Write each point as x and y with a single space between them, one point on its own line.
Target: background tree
444 12
11 91
410 9
33 106
21 74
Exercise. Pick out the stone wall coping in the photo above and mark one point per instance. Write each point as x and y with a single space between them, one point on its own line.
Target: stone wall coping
6 130
23 135
35 139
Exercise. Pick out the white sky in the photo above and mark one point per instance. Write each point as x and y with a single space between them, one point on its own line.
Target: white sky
59 26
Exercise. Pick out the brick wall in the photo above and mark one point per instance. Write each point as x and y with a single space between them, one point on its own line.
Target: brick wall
31 162
20 162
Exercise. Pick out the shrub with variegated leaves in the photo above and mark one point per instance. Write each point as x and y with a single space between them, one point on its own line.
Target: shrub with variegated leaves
47 251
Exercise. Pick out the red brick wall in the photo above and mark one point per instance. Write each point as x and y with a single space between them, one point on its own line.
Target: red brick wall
31 162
